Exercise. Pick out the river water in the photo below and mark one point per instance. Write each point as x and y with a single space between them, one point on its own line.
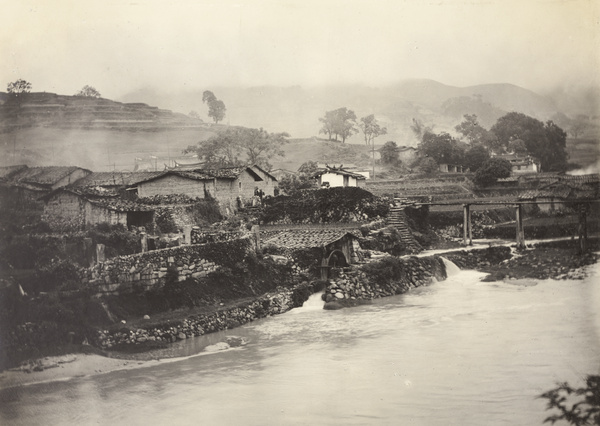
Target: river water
458 352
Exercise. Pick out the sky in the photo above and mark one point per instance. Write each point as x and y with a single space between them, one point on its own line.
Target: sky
177 45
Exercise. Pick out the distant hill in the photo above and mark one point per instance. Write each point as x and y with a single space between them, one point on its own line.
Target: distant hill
41 129
101 134
297 110
52 110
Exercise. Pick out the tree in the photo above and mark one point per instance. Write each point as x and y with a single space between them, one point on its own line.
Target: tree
491 171
216 107
477 134
236 146
579 125
585 410
427 165
222 150
208 97
88 92
216 110
18 87
194 114
475 157
419 128
304 180
260 146
371 129
517 146
389 153
443 148
339 122
546 142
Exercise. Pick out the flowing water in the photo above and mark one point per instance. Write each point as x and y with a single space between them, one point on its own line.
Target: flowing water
458 352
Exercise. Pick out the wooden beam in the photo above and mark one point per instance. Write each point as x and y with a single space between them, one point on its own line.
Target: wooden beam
520 230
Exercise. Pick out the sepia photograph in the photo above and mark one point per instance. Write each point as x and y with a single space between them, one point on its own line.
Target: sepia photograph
300 212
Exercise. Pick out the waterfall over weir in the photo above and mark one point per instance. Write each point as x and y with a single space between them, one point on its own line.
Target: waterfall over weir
314 303
451 268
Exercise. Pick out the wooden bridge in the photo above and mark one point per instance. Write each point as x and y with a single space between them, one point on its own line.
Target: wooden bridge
582 207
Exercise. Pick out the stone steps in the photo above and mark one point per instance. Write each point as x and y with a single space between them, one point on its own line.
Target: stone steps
397 219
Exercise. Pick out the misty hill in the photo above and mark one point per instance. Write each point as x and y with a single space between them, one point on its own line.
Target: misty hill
52 110
42 129
297 110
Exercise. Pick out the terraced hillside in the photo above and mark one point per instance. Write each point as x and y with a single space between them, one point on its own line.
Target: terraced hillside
52 110
44 129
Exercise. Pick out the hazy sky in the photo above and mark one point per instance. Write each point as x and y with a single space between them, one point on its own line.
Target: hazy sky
118 46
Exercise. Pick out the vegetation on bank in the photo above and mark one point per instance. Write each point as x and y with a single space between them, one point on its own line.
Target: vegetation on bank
578 406
324 206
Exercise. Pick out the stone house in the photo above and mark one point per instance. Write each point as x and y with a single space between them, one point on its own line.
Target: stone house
232 187
335 177
339 247
269 182
69 208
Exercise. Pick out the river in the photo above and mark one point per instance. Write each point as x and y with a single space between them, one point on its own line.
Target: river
458 352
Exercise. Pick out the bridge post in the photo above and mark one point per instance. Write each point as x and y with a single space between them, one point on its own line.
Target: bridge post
467 229
520 230
582 228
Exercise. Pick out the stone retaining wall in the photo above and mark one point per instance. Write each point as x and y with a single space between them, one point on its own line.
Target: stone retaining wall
355 283
144 271
267 305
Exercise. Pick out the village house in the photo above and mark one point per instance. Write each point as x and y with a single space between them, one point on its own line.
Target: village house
112 183
562 193
33 182
232 187
339 246
332 177
77 208
521 164
452 168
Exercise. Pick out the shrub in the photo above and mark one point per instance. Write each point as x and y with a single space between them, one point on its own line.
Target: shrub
491 171
325 205
578 406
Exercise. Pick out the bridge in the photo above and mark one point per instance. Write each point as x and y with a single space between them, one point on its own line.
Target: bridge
581 204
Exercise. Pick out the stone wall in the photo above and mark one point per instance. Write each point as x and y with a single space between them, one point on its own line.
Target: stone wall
144 271
269 304
358 283
173 184
369 283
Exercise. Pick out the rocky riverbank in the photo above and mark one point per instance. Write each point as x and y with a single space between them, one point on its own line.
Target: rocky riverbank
136 339
385 277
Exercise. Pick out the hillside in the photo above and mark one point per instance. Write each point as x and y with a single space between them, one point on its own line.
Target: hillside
52 110
99 134
297 109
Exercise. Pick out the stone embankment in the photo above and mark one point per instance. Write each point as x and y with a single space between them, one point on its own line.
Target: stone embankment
227 318
392 275
147 270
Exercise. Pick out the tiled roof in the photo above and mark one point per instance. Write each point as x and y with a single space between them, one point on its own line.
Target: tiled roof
591 178
225 173
339 172
545 193
115 178
119 205
307 238
6 172
43 175
106 199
